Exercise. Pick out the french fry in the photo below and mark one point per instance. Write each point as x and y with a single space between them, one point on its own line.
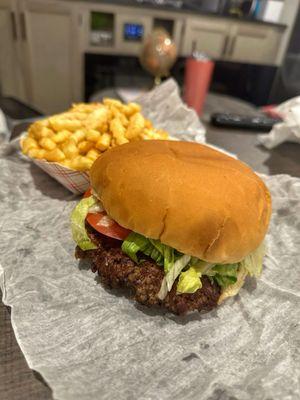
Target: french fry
61 136
92 135
37 153
70 149
81 163
59 124
104 142
28 143
136 126
85 146
55 155
93 154
47 144
78 136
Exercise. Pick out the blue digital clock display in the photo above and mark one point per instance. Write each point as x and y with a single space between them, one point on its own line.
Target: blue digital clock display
133 32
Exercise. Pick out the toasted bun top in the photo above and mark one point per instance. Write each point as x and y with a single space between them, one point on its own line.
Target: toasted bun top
189 196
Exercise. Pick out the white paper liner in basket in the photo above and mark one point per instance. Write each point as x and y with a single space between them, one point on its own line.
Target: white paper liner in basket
76 181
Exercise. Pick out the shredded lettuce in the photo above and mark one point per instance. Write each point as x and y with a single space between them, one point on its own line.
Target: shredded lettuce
172 275
225 274
203 267
189 281
135 243
253 263
188 270
162 254
78 223
168 253
233 289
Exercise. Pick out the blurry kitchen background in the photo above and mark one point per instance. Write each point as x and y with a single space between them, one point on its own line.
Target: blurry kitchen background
53 53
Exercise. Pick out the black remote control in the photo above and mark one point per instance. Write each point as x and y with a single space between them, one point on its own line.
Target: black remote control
262 124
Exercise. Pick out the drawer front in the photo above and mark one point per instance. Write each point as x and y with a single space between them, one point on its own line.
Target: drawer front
254 46
207 37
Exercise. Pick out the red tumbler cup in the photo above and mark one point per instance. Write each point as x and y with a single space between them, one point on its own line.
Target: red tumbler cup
198 73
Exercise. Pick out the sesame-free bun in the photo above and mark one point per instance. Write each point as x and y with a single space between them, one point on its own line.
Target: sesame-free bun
189 196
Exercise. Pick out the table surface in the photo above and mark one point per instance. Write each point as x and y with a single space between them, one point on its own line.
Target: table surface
17 381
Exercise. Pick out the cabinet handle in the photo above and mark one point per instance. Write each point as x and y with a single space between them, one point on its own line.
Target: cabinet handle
13 25
232 47
225 45
23 26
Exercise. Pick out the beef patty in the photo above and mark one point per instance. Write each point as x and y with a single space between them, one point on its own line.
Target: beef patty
116 269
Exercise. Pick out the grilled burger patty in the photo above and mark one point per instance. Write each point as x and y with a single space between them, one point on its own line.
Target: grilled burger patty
116 269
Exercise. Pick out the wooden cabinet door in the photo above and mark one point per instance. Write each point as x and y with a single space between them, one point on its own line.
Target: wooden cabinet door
11 77
49 48
206 36
254 44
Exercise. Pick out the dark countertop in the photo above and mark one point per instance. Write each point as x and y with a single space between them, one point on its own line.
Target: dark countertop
17 381
283 159
183 10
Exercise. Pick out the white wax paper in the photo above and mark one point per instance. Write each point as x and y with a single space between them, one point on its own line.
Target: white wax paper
164 106
289 129
4 132
90 343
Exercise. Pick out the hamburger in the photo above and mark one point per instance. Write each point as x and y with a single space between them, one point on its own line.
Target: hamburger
177 223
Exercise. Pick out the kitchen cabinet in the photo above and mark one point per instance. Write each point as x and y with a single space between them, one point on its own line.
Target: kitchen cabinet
229 40
49 38
205 36
253 44
11 72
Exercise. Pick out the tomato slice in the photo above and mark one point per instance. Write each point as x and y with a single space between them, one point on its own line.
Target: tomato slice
88 193
102 223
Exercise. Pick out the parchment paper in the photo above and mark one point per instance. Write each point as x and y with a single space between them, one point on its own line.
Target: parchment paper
91 343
